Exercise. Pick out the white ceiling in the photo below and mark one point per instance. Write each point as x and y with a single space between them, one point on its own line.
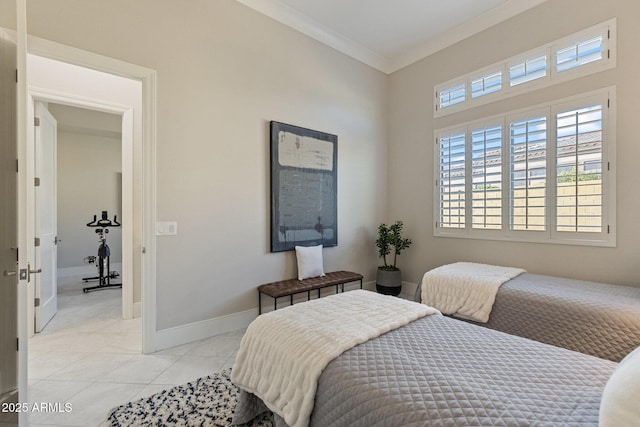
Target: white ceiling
390 34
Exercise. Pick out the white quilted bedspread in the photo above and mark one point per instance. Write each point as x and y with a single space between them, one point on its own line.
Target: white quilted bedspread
283 352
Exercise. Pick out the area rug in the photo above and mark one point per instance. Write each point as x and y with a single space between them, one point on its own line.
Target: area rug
208 401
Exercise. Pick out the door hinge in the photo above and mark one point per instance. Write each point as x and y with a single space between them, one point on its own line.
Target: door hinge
36 242
17 166
36 121
36 302
17 344
608 229
36 182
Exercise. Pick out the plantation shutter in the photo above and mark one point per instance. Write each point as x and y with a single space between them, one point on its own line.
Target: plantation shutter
528 69
528 177
579 170
452 181
486 171
452 95
486 84
578 54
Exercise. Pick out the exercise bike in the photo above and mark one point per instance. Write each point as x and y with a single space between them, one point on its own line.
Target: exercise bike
104 269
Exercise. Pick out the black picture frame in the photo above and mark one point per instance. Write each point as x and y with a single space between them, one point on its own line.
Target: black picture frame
304 187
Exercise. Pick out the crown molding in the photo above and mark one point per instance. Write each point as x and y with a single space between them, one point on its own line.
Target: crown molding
292 18
456 34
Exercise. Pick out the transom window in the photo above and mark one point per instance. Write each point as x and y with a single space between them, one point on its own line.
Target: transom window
586 52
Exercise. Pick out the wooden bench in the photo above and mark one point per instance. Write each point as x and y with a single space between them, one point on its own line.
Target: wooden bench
291 287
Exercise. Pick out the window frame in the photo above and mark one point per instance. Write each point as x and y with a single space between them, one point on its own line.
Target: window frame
606 237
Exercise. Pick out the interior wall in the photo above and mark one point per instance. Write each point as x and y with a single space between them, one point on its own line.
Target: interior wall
224 71
411 174
89 181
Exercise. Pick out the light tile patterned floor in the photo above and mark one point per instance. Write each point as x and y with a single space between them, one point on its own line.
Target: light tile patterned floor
89 357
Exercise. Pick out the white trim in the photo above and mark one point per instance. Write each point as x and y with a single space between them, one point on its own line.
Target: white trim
72 55
196 331
388 64
454 35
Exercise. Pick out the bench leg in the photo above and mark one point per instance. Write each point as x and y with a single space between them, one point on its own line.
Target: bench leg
291 298
259 303
275 303
308 295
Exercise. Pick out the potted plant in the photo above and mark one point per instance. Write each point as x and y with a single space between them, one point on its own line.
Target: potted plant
390 240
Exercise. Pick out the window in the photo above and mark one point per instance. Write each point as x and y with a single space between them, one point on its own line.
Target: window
579 54
452 168
452 95
541 174
486 173
528 174
579 166
527 70
486 84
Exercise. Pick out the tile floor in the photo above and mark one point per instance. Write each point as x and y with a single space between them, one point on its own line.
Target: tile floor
90 358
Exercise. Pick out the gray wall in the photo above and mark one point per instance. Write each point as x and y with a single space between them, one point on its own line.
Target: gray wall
225 71
89 181
412 125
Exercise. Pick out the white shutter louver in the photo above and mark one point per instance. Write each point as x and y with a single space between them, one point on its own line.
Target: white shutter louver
578 54
452 181
579 170
486 171
528 177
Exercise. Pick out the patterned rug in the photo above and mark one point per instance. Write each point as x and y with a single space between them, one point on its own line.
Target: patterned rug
208 401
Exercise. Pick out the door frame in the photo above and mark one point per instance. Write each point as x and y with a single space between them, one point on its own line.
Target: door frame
147 169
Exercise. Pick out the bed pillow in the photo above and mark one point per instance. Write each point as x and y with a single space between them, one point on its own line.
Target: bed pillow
619 406
309 261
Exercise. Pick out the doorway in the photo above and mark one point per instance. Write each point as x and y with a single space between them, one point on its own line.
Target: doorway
52 81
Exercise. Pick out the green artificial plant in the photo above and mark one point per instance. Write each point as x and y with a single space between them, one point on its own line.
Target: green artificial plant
390 239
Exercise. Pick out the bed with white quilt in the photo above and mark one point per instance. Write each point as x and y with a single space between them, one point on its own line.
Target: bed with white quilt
363 359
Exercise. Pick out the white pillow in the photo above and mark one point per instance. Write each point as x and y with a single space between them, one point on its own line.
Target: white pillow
620 405
309 261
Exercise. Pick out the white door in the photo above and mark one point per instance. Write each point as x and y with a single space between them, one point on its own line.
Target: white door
8 228
46 254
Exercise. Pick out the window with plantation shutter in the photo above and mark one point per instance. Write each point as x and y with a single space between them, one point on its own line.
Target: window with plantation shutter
528 174
451 180
579 54
540 174
579 170
486 84
528 69
452 95
486 173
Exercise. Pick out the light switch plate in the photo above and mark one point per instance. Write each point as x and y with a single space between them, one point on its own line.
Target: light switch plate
166 228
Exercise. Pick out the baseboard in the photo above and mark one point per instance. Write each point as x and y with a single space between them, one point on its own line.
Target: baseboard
196 331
